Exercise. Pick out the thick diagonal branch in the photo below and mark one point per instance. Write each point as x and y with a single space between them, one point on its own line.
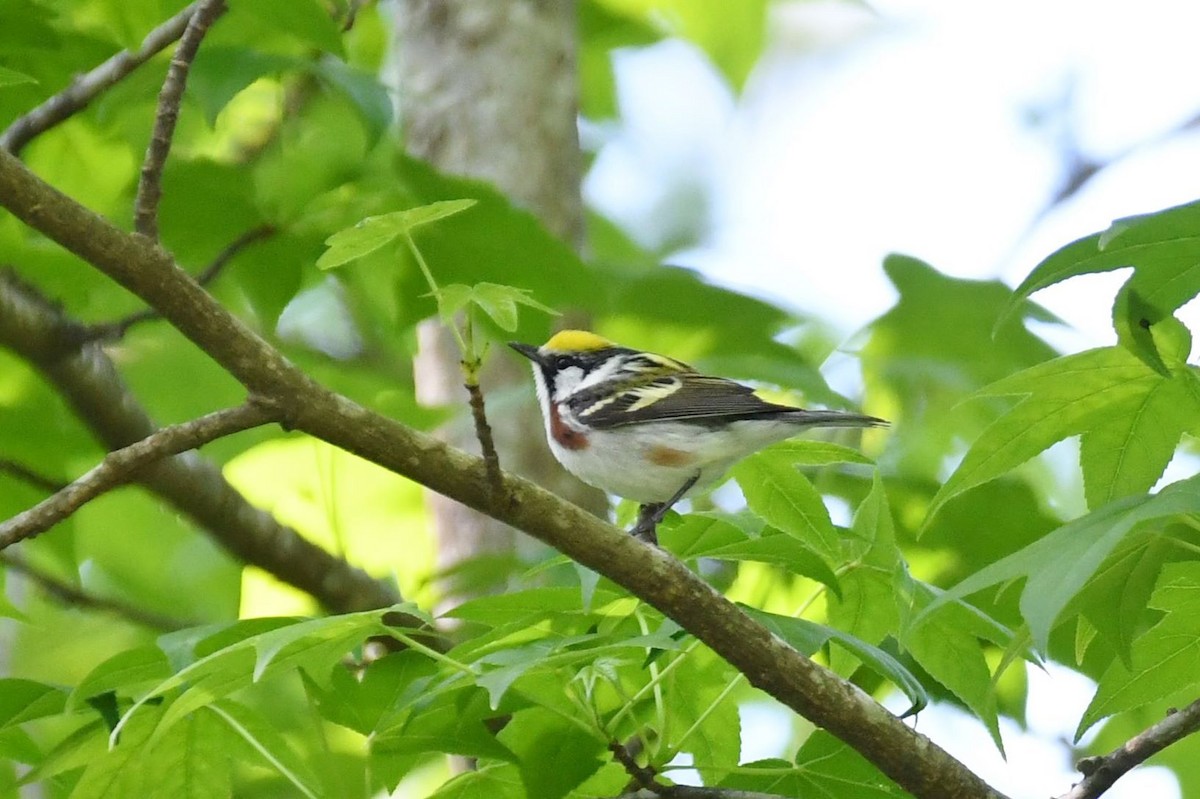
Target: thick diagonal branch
87 379
906 756
121 466
145 207
1100 773
90 85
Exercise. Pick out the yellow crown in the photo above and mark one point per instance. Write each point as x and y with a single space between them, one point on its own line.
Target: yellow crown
576 341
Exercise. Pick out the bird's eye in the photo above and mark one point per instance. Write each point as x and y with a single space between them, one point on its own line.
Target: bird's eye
565 361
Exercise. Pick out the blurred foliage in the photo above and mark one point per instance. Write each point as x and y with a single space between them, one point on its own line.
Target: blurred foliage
934 564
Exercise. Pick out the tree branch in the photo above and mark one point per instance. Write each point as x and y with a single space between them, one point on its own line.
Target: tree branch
483 432
71 595
1101 772
116 329
145 207
643 776
121 466
88 86
905 755
88 381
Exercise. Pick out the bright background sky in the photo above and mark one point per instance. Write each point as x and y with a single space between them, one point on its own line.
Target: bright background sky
935 128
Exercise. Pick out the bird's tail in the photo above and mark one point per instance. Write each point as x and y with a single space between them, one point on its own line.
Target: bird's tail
833 419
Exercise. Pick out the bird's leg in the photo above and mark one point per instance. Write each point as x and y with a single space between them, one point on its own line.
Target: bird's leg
651 513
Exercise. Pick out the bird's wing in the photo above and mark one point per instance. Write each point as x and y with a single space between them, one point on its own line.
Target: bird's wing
680 397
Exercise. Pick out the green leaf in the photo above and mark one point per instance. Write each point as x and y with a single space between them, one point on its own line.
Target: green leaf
776 492
1059 565
262 735
1141 328
354 242
412 218
224 668
824 767
807 637
867 605
380 696
376 231
946 644
122 672
451 299
526 606
220 73
24 700
306 20
806 452
452 723
499 303
539 737
488 781
1067 396
924 356
10 77
1128 453
1162 247
121 770
1114 601
193 761
700 535
1166 660
363 90
703 715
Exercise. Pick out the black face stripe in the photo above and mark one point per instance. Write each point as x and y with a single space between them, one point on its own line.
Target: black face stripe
586 361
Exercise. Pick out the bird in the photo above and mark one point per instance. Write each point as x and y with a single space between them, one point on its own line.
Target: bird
650 428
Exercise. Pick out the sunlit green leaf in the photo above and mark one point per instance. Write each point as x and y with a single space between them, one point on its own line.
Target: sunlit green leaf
376 231
702 536
123 671
1060 564
808 636
785 499
23 700
1067 396
1127 454
1165 660
1162 247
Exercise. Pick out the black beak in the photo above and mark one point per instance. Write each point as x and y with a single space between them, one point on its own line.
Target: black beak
527 350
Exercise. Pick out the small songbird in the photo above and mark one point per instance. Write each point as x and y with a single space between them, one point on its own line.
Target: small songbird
650 428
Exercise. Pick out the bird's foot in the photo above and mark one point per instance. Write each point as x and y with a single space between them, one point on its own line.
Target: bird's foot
646 527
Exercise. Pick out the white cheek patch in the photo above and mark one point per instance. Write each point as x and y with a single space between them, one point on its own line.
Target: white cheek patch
602 373
567 380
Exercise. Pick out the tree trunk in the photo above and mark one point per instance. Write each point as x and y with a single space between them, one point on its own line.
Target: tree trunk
488 90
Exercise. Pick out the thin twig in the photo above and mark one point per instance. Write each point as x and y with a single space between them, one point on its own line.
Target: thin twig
109 331
1101 772
86 87
71 595
145 207
120 467
643 776
27 475
645 784
487 444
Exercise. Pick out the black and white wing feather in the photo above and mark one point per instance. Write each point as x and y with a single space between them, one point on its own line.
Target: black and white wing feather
679 397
